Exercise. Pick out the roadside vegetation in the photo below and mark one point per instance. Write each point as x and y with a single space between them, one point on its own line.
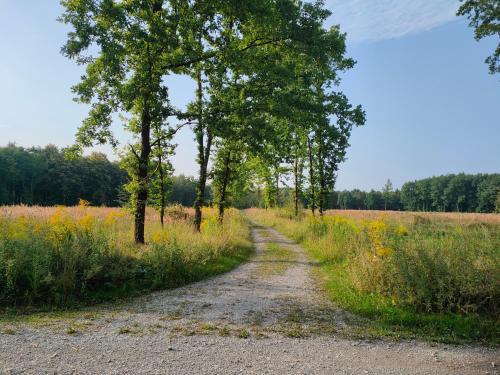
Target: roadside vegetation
63 256
429 277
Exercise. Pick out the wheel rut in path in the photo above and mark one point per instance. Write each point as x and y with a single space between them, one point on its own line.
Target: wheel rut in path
266 316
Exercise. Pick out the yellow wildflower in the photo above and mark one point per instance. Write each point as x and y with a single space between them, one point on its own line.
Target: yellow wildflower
86 222
159 237
82 203
112 217
383 251
401 230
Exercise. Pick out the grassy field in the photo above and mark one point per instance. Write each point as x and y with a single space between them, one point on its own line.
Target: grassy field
64 256
433 275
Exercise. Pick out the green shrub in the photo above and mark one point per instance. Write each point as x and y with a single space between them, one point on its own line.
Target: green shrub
62 260
431 267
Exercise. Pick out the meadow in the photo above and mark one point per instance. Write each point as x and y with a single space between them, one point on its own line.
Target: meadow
407 275
430 275
66 256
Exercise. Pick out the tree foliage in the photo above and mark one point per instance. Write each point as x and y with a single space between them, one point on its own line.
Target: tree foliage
265 73
484 17
460 193
43 176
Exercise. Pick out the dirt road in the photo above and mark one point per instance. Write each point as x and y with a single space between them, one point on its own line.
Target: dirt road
267 316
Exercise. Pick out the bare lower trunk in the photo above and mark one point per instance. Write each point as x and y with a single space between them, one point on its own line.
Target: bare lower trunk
162 191
225 181
321 173
202 182
203 156
296 195
142 176
277 188
311 177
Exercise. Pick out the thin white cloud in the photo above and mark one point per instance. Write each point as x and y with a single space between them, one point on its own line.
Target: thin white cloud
372 20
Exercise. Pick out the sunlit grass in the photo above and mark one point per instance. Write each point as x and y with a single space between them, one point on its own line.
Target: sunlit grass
428 277
60 256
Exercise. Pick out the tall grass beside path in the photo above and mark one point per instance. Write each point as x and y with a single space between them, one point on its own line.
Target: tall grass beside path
437 279
69 256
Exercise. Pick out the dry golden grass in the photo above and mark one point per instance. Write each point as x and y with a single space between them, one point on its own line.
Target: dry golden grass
40 212
409 217
59 255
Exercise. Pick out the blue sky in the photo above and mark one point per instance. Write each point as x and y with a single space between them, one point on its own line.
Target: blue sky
432 108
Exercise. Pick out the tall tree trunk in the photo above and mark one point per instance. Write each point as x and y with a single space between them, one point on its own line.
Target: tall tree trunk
311 177
202 181
162 190
225 181
142 175
296 194
203 155
277 188
321 171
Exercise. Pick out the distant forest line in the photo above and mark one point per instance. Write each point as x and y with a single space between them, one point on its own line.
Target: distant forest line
43 176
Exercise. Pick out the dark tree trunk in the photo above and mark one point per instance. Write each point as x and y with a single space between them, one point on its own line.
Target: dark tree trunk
203 156
296 195
311 177
321 172
277 188
225 181
162 190
142 175
202 181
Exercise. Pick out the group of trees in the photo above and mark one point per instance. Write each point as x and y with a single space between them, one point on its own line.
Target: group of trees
460 193
44 176
267 105
450 193
266 99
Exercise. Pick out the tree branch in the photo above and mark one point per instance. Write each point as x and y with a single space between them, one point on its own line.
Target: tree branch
134 152
171 133
209 54
156 168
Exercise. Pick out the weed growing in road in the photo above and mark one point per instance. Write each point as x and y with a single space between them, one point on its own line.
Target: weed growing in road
8 331
224 331
72 331
243 333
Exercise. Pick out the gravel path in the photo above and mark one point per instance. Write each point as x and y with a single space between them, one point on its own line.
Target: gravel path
267 316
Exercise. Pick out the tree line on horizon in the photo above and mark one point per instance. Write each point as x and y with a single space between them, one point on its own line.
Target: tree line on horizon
43 176
448 193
